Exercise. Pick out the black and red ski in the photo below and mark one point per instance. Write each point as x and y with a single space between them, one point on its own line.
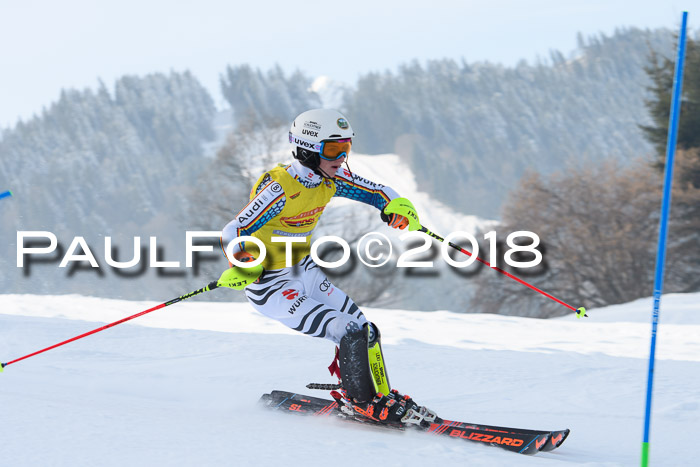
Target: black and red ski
512 439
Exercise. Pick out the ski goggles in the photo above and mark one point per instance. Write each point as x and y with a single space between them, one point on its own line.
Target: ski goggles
334 150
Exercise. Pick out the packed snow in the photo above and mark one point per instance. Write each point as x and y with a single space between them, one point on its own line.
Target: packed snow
179 386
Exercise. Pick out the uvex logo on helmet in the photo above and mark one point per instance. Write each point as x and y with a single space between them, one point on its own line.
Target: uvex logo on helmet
304 144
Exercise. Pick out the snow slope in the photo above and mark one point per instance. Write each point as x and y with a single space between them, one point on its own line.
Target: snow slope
178 386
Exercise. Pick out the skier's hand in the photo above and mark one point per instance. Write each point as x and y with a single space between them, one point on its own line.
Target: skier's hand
395 220
399 213
239 278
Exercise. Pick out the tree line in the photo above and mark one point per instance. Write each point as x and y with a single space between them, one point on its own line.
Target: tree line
600 221
131 159
102 162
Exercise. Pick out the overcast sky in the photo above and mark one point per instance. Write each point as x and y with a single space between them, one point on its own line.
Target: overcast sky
48 45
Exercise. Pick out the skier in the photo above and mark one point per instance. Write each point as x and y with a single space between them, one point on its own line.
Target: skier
288 286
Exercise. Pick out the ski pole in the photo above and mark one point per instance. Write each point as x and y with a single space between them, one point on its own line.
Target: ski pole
580 312
5 194
233 278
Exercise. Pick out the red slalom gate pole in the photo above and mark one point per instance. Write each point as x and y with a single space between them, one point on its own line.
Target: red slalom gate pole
213 285
580 311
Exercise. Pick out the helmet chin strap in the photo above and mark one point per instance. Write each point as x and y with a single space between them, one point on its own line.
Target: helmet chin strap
312 164
324 174
352 175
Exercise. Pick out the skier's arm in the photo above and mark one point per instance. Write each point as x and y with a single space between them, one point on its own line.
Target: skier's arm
352 186
267 203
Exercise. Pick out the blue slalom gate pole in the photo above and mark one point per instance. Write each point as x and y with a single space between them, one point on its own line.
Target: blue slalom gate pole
663 224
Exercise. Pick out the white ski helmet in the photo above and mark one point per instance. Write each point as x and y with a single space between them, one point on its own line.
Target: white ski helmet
314 127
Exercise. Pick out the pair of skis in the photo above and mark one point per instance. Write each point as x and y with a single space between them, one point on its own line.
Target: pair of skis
512 439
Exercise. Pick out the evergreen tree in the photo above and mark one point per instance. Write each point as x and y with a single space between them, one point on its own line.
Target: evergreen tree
661 71
97 163
267 98
495 122
684 229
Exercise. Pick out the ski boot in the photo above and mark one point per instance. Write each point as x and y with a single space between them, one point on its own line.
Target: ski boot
393 409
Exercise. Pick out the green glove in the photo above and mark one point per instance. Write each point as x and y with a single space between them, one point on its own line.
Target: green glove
403 207
239 278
